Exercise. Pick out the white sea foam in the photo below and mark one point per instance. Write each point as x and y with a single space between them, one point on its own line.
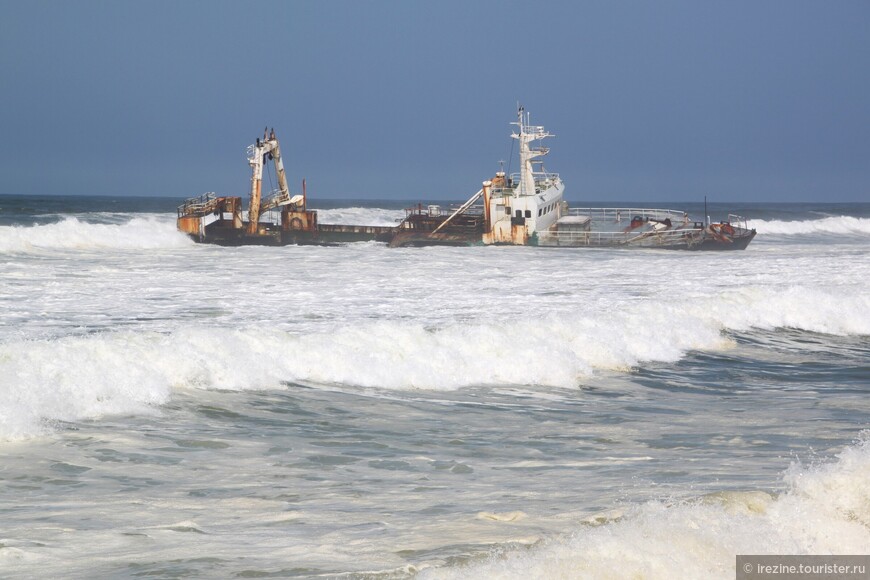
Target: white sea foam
842 313
76 378
90 336
145 233
363 216
825 510
840 225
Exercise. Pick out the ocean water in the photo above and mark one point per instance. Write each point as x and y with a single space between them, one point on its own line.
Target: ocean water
174 410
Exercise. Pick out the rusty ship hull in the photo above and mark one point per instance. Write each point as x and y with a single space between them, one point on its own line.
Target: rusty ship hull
220 220
524 209
223 233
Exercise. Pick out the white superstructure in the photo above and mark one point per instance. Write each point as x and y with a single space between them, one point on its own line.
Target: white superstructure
526 202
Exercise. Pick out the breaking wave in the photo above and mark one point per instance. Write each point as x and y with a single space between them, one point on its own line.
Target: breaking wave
824 510
75 378
139 233
839 225
363 216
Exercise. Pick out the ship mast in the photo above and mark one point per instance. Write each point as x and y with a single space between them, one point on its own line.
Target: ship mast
528 133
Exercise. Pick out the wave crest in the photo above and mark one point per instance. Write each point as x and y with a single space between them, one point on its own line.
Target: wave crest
363 216
76 378
825 510
839 225
139 233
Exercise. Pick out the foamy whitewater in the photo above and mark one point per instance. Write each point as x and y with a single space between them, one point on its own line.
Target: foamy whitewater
180 410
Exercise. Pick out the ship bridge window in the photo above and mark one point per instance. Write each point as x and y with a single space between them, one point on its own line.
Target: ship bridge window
528 213
519 213
540 211
507 210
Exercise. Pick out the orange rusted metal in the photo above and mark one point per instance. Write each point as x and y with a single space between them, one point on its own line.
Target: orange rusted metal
298 220
190 225
487 217
254 209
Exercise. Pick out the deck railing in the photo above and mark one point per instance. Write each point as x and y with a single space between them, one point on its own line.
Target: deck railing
619 214
645 239
738 220
198 206
538 175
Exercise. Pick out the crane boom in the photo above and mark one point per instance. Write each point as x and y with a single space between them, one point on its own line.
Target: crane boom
256 159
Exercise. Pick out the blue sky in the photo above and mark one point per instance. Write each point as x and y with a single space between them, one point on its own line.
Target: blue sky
649 101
